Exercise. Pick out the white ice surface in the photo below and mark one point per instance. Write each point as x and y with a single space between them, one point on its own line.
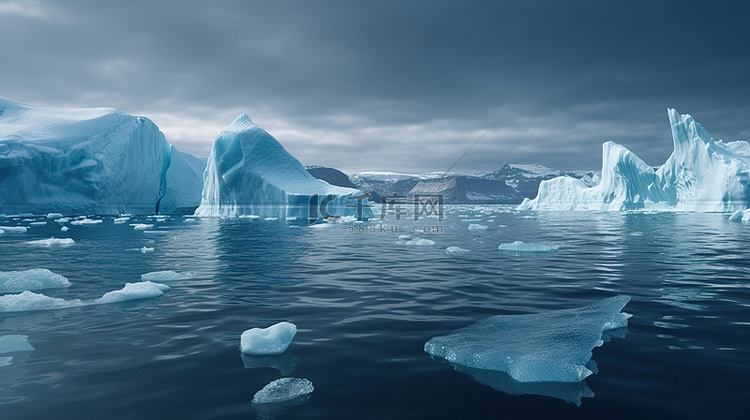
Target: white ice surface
271 340
283 389
34 279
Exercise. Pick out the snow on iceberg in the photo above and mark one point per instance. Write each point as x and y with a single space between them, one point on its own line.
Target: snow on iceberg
34 279
250 173
30 301
264 341
553 346
97 160
283 389
702 174
519 246
167 275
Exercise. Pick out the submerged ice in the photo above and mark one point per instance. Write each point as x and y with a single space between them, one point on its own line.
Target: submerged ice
554 346
283 389
702 174
250 173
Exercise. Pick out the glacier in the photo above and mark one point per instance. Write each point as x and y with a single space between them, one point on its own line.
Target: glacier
91 161
250 173
702 175
553 346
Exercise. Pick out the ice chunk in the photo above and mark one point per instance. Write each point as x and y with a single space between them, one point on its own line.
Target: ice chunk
553 346
475 226
404 237
167 275
420 242
30 301
455 250
133 291
250 173
146 250
63 220
702 174
120 220
54 216
14 344
283 389
272 340
13 229
519 246
86 222
37 223
52 243
142 226
34 279
64 229
740 216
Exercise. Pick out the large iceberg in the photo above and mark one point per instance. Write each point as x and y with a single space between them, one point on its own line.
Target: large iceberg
95 160
250 173
702 174
554 346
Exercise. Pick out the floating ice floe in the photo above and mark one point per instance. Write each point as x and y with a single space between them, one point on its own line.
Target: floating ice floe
86 222
272 340
13 229
283 389
167 275
54 216
64 229
420 242
553 346
34 279
475 226
63 220
14 344
53 243
404 237
142 226
121 220
146 250
455 250
519 246
740 216
30 301
37 223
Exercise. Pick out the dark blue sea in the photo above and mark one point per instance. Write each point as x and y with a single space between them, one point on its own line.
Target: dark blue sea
365 303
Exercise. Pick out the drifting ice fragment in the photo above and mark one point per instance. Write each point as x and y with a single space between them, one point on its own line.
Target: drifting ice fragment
167 275
474 226
14 344
13 229
121 220
34 279
86 222
420 242
64 229
142 226
30 301
519 246
272 340
37 223
552 346
53 243
146 250
283 389
454 250
54 216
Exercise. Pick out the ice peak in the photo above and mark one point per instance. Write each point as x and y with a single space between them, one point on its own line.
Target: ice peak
685 131
242 122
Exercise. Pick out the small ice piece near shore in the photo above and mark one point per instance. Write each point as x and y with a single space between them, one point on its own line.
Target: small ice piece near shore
13 229
421 242
142 226
454 250
34 279
519 246
552 346
86 222
167 275
283 389
272 340
475 226
53 243
14 344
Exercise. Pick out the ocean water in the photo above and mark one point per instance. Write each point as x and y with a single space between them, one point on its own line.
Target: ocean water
365 303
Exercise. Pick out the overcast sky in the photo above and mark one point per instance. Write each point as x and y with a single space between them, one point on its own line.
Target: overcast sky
394 85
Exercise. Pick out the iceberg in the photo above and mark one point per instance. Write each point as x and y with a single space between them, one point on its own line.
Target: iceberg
250 173
702 174
93 161
52 243
283 389
30 301
553 346
13 229
268 341
14 344
34 279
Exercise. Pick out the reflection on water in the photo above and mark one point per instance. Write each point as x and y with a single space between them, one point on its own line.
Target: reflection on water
284 363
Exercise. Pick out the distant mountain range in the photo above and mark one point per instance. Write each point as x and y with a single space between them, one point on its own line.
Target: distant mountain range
508 185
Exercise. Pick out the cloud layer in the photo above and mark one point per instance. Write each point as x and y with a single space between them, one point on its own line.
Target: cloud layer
393 85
